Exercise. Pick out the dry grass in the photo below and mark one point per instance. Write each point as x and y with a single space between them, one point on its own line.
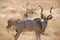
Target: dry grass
4 35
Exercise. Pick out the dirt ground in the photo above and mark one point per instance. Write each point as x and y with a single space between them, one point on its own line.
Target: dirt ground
16 9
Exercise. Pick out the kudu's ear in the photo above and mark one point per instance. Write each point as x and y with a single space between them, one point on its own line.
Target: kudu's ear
42 16
49 17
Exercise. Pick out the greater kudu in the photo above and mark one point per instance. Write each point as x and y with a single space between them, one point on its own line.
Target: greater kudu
35 25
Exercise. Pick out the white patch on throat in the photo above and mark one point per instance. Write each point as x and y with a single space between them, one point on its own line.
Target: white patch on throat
42 20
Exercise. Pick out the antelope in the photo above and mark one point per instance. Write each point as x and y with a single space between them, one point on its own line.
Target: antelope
35 25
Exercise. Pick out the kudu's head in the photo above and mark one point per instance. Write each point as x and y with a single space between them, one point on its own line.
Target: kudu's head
49 17
45 19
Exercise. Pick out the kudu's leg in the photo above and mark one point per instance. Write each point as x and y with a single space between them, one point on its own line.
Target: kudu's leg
38 36
17 34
